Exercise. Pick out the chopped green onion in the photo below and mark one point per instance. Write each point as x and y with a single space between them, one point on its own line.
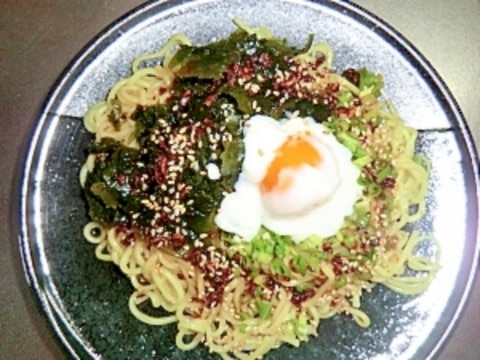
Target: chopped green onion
362 161
264 258
339 236
384 173
349 241
265 235
369 254
364 219
282 245
340 282
367 97
314 259
237 271
374 190
359 152
301 325
300 265
312 242
422 161
259 280
245 315
264 309
365 275
362 206
243 328
279 267
349 141
303 287
362 182
344 98
370 83
379 121
254 273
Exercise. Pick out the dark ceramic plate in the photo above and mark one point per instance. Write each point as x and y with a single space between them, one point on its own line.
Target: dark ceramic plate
86 300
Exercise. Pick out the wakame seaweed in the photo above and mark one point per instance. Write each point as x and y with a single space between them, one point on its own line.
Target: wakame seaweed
205 92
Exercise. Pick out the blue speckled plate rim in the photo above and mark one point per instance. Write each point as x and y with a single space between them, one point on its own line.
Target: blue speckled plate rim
38 281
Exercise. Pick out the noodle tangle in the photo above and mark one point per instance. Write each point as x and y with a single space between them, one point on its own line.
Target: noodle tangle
166 281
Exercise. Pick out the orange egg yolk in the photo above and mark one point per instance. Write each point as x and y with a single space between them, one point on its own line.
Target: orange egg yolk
292 154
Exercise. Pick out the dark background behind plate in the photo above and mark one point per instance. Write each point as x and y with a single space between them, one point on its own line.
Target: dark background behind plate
37 40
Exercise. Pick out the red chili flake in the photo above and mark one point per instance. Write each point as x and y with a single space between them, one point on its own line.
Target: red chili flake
352 75
183 192
388 183
320 60
372 126
214 86
317 282
247 69
162 90
217 280
121 179
210 100
160 169
365 245
185 97
307 78
194 257
265 60
178 241
327 247
356 101
334 302
369 171
181 276
337 263
157 241
330 101
243 70
206 122
198 300
213 298
220 277
345 111
291 79
232 71
136 182
270 283
128 240
142 280
210 268
250 287
237 258
332 87
298 297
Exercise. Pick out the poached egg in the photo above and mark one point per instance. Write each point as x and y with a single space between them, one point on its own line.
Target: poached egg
296 180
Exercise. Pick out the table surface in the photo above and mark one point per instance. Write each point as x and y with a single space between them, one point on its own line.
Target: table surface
37 40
